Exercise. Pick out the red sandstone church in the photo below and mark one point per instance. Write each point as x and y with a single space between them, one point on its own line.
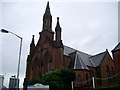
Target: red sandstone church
49 54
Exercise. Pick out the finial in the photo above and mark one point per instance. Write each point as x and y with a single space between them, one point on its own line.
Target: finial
33 38
58 19
58 24
106 50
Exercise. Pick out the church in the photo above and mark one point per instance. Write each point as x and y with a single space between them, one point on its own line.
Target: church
50 54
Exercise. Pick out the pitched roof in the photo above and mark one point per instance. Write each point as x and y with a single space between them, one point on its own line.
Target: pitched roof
117 47
4 87
79 60
68 50
72 61
96 59
76 62
85 58
79 64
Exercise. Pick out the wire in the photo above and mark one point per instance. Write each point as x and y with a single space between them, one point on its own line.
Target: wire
107 77
83 81
98 79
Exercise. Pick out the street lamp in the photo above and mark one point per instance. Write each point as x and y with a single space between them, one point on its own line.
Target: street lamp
5 31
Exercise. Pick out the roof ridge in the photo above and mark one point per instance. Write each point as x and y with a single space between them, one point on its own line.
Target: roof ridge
92 62
69 47
78 50
82 64
96 59
72 52
98 54
75 62
118 45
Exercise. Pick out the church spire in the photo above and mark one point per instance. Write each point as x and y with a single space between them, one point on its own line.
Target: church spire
32 42
58 25
47 19
47 8
32 45
58 31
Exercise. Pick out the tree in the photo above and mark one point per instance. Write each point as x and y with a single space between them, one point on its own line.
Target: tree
59 79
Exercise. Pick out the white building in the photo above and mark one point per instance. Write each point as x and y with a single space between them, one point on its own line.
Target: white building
1 81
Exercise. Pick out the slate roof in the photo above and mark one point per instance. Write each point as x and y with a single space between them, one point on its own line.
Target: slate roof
80 60
72 61
117 47
79 64
4 87
85 58
68 50
96 59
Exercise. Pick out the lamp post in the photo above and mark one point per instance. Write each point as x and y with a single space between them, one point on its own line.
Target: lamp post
5 31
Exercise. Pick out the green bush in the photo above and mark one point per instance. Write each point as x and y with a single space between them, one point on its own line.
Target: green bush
59 79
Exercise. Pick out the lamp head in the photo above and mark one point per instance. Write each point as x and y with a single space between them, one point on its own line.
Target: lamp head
4 31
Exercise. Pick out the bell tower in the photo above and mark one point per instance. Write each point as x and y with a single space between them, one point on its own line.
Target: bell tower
46 34
47 19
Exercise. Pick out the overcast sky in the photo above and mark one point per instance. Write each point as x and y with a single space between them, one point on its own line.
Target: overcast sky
90 27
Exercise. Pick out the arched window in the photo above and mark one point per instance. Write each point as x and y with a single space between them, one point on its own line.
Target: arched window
48 66
79 81
108 73
92 73
87 78
47 62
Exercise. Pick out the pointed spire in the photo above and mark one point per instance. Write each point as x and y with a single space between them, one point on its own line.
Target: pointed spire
33 39
32 42
47 11
47 19
58 31
106 50
58 25
47 4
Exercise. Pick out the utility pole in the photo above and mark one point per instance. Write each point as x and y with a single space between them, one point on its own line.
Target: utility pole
93 80
72 85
